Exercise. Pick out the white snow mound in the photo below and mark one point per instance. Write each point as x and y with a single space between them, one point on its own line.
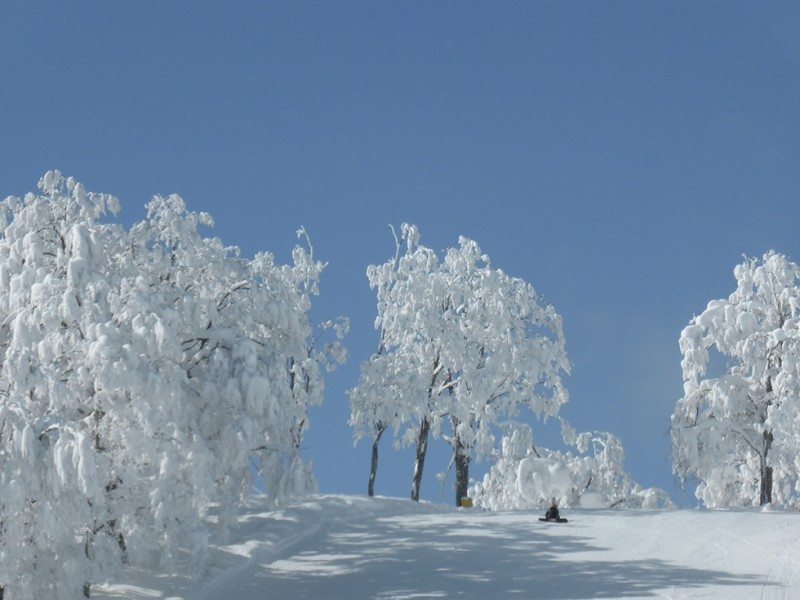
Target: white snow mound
543 478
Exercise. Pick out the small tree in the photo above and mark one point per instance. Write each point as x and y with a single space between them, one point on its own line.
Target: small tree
731 431
375 407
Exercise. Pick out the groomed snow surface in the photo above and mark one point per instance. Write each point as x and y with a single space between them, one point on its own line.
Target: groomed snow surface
347 547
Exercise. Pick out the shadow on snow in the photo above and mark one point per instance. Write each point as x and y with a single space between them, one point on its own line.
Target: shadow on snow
455 556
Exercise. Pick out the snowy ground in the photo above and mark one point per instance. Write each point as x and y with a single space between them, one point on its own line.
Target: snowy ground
351 547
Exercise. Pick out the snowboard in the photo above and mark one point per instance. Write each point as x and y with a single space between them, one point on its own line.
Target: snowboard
552 520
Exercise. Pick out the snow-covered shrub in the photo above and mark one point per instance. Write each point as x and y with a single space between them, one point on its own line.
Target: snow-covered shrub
526 477
140 371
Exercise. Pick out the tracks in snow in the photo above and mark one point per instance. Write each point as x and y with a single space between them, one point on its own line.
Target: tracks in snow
215 587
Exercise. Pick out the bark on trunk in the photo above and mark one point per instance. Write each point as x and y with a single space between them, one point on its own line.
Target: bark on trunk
765 492
461 459
419 462
373 469
422 439
87 587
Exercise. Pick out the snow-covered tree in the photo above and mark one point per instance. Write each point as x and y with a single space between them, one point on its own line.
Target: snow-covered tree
140 370
373 402
462 345
373 408
281 468
504 349
525 476
55 277
737 432
398 385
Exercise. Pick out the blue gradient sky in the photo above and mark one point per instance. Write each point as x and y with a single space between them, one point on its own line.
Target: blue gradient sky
620 156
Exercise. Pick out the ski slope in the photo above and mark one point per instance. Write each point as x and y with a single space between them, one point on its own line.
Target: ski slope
353 547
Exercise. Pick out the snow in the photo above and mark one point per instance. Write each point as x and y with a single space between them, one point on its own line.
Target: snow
592 500
347 547
544 477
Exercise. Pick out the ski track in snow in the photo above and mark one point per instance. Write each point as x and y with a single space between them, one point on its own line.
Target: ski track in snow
215 588
339 547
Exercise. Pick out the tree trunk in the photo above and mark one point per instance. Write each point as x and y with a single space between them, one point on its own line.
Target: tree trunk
422 440
419 462
112 526
461 459
86 585
765 492
373 469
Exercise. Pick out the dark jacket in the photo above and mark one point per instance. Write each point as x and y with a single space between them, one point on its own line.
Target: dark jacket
551 514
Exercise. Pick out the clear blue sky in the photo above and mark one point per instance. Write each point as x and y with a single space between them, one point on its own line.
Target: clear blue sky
620 156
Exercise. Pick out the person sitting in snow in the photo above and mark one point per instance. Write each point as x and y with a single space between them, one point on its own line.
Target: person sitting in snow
552 512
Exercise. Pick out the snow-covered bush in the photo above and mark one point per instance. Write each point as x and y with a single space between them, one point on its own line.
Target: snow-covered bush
527 477
140 371
739 433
